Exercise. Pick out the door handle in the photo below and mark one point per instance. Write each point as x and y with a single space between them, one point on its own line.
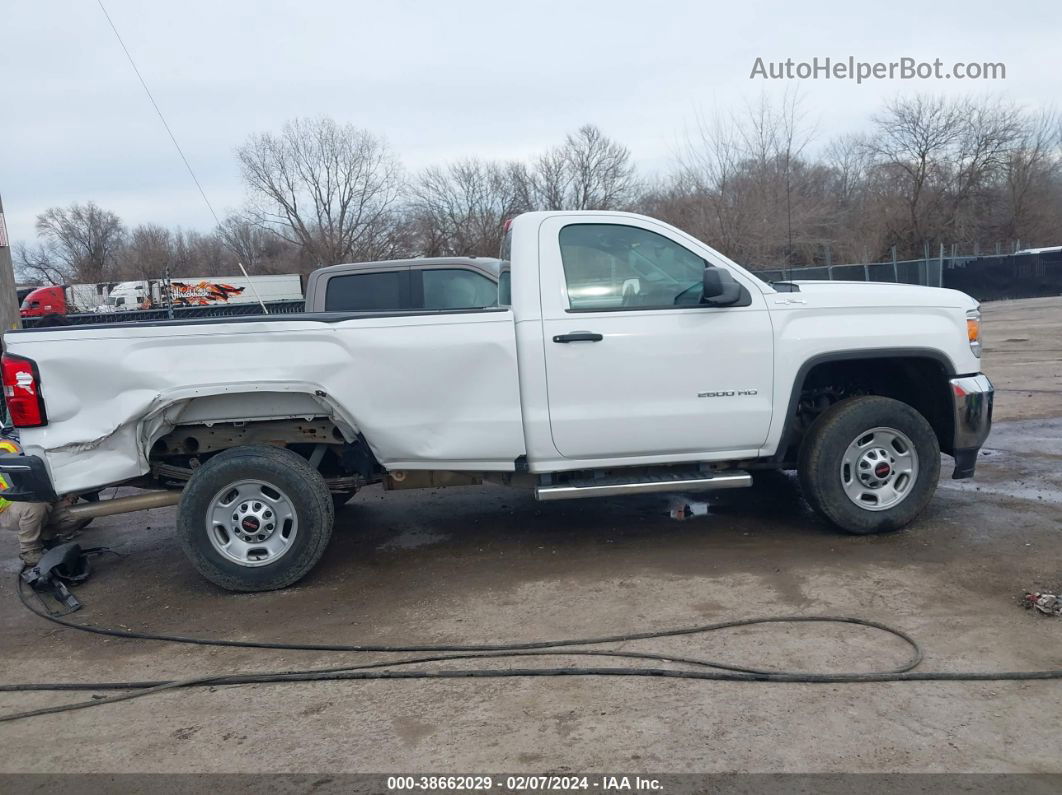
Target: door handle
579 336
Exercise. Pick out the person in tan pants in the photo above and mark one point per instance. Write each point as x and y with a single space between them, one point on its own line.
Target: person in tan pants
37 523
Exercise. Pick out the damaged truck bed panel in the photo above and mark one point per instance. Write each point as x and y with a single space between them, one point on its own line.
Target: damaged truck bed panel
421 389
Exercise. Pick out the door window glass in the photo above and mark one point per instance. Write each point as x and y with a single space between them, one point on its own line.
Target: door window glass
611 266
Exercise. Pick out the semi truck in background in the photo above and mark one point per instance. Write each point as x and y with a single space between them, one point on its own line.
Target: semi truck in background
202 291
65 299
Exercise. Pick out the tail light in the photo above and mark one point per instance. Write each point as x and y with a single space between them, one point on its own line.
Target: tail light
22 391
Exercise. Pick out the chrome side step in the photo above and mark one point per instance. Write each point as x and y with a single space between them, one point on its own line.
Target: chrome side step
648 484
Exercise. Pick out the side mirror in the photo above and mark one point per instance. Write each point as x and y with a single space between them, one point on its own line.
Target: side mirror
719 288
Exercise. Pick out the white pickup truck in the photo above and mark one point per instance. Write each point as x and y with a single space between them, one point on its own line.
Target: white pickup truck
631 358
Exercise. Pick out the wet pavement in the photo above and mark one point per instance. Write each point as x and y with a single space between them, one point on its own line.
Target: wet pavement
490 564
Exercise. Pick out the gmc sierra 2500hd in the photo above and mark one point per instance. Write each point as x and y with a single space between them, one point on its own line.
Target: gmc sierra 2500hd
632 359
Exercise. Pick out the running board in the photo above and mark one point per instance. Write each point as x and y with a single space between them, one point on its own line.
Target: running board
647 484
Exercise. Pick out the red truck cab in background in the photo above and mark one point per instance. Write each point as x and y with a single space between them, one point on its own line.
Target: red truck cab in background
44 301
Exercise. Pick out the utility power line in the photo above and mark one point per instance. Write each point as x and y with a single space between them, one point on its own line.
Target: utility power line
177 146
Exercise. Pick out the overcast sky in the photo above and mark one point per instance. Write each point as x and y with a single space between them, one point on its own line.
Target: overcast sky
440 80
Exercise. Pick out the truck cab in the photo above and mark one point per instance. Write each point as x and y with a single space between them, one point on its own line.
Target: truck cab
44 301
126 296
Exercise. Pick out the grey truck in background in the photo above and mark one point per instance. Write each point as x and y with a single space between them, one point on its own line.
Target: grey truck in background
428 283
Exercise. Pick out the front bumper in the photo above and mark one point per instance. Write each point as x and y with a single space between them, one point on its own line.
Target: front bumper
971 398
27 479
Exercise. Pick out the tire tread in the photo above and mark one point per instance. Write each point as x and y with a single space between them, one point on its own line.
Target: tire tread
828 437
308 487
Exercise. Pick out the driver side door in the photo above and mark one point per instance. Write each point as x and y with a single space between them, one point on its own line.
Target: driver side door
636 365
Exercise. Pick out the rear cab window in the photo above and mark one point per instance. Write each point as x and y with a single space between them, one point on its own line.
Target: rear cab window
383 291
456 288
505 276
431 285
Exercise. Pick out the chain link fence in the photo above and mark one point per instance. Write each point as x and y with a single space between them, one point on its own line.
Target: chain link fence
985 278
915 271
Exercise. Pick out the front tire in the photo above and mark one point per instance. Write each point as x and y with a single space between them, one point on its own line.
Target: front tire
869 464
255 518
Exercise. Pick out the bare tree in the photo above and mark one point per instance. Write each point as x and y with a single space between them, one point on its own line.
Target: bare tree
546 184
330 189
259 250
1031 202
700 190
37 265
790 137
80 241
856 219
146 254
589 171
246 240
462 208
953 165
991 132
911 142
600 169
748 186
198 254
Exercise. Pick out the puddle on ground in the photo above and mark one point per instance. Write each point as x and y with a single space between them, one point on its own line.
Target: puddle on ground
1035 493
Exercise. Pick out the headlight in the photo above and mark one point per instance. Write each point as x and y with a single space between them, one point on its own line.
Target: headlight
973 331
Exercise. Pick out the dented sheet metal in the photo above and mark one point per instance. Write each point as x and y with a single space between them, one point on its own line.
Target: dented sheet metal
426 391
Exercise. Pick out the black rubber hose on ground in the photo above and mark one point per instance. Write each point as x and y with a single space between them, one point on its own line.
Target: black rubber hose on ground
448 652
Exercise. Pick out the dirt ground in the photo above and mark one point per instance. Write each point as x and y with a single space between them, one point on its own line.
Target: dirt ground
488 564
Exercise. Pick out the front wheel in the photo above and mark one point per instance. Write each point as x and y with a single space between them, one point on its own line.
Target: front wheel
255 518
869 464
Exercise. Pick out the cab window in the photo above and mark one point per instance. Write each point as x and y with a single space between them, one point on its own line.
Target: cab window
383 291
505 286
453 288
612 266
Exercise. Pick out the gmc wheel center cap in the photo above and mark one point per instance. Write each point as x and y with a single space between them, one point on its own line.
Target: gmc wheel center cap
882 470
250 524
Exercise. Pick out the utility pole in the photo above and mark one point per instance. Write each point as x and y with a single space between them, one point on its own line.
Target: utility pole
9 317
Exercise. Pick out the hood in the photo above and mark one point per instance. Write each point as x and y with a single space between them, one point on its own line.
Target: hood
877 294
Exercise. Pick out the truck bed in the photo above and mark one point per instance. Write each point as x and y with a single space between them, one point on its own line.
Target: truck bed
426 389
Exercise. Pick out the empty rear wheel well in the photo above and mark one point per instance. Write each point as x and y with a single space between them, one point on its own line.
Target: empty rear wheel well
919 381
178 453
